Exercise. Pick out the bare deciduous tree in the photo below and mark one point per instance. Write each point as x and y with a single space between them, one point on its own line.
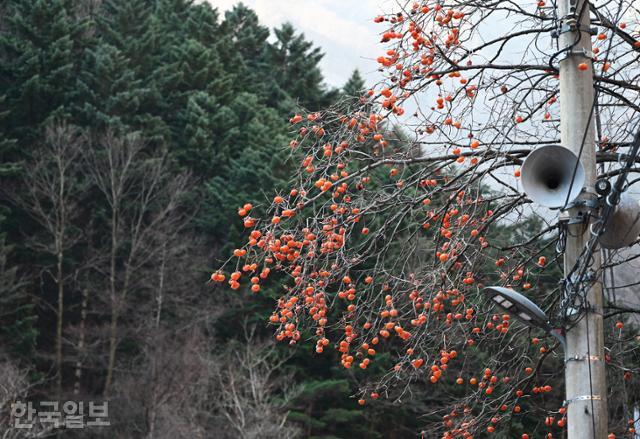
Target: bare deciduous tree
252 392
14 388
53 189
143 197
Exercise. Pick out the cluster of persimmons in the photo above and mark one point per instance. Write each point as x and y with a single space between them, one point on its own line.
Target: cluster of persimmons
329 232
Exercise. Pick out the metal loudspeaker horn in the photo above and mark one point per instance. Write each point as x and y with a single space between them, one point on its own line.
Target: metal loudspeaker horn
623 227
547 175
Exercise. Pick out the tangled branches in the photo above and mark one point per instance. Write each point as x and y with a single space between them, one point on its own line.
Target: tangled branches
407 202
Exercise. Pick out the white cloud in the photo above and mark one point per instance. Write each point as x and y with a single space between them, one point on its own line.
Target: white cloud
345 42
342 29
317 18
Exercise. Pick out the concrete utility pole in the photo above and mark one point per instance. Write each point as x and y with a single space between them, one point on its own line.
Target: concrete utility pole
586 389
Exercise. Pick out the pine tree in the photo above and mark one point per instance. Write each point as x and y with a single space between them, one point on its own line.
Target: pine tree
355 85
200 92
254 160
248 35
203 24
123 80
128 25
197 150
39 61
112 93
294 67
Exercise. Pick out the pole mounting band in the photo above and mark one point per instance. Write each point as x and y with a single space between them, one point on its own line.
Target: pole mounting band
571 25
583 358
582 398
583 53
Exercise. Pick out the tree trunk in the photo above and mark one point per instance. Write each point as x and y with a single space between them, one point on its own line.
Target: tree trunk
59 320
81 340
153 411
113 341
113 338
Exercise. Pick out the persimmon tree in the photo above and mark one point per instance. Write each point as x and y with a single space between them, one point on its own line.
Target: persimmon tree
407 202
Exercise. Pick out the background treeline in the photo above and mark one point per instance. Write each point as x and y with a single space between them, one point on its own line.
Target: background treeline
130 133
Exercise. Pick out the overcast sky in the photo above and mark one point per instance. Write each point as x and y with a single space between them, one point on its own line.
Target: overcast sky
344 29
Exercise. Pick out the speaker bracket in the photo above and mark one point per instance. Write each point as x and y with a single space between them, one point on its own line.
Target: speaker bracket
587 205
580 218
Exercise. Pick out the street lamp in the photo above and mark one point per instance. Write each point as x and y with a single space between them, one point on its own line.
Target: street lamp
521 308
